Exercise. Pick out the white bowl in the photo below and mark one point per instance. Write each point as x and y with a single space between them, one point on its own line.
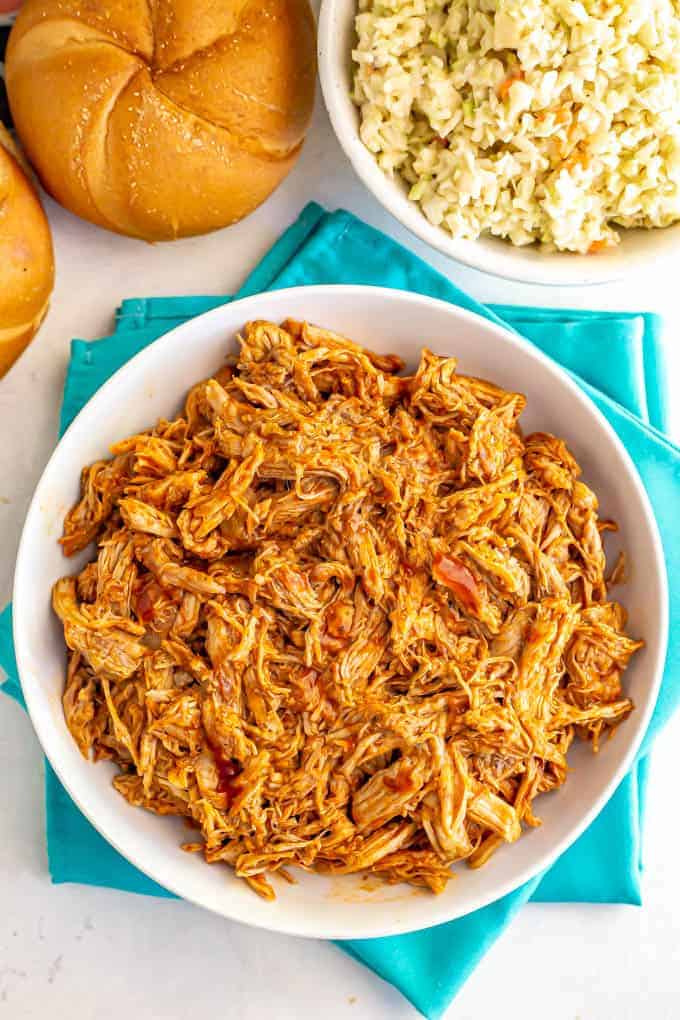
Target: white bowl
153 385
638 248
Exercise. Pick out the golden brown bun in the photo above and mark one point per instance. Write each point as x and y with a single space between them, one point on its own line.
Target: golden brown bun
26 260
162 119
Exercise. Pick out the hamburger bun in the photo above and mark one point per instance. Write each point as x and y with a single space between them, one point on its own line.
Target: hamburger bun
26 259
163 120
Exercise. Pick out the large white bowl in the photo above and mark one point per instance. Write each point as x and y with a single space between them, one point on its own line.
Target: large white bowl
638 248
153 385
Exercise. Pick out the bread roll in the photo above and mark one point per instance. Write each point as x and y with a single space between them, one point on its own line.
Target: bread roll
166 118
26 260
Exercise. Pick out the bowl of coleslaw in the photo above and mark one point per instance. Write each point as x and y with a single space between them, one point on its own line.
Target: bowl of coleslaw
536 141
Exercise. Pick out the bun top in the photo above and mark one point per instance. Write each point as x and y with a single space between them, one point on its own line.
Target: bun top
26 261
164 117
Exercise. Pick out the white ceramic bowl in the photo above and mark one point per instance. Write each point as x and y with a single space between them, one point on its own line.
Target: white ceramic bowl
637 250
153 385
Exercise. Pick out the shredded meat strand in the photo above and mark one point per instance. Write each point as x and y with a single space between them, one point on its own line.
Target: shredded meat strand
340 618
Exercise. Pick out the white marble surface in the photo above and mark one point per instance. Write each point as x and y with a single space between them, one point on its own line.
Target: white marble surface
91 954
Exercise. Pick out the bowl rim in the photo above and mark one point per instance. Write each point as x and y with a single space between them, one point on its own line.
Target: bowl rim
47 733
508 262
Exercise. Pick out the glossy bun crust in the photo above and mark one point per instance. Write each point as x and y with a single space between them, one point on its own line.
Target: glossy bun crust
162 118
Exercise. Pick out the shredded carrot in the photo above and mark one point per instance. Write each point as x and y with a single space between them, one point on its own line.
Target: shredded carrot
576 157
598 246
506 85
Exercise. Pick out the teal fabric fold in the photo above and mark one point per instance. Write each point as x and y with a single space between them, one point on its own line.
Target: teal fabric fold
618 360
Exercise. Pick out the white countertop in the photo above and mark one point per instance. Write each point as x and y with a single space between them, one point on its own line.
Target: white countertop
94 954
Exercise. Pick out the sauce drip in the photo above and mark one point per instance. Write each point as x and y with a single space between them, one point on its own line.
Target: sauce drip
145 606
228 771
453 573
401 783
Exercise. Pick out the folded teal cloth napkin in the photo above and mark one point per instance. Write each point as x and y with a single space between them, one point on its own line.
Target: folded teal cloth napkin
618 360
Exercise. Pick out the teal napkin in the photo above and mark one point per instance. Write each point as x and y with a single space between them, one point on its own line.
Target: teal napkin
618 360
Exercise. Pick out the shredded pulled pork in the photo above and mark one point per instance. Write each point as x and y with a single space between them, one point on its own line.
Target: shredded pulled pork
340 618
